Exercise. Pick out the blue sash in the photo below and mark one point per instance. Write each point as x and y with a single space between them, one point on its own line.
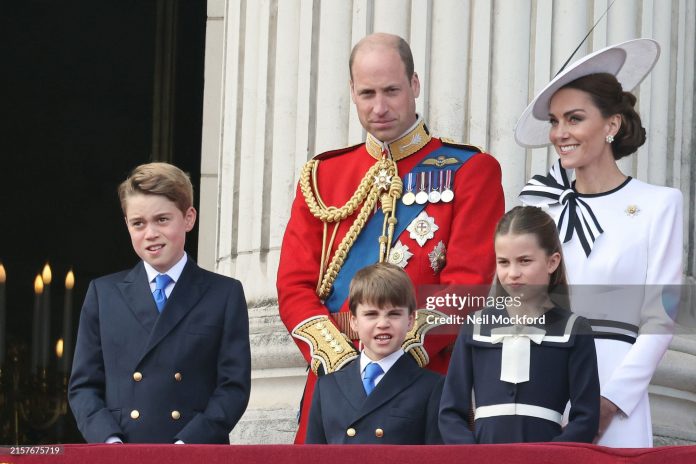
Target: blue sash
365 249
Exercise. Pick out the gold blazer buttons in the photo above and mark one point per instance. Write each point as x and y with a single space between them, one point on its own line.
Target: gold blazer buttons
379 433
350 432
176 415
135 414
137 376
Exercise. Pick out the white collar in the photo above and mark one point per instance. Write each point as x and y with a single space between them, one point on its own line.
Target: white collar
385 363
174 272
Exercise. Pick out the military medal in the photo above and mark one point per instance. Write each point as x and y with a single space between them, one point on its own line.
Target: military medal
434 195
399 255
409 197
422 228
383 180
447 193
437 257
422 195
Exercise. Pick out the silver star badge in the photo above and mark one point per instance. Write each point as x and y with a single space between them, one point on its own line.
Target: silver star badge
383 180
437 257
422 228
399 255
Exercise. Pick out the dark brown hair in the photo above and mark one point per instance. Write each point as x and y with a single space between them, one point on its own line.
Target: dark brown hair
158 179
382 284
608 96
532 220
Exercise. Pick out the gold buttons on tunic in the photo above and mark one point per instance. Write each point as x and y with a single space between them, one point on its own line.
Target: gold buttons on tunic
137 376
350 432
379 433
135 414
176 415
177 376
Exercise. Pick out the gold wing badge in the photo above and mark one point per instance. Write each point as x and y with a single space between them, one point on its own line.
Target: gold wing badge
426 319
440 161
329 348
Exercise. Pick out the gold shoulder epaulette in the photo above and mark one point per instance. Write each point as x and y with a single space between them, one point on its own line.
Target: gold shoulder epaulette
328 346
426 320
453 143
332 153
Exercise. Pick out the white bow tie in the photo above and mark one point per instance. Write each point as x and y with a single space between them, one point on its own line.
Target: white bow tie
514 364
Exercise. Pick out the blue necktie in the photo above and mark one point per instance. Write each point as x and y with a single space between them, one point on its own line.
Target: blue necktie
372 371
161 282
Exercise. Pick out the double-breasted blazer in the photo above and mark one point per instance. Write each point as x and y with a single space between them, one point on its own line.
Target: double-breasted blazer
148 377
401 410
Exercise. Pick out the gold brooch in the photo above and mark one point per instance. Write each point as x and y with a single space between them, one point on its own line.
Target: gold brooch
632 210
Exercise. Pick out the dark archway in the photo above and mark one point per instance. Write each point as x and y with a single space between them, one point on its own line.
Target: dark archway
82 93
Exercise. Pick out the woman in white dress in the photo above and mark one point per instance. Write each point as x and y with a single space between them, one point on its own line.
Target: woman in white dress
622 238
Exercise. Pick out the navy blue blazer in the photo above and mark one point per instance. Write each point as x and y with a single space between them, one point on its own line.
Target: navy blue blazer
562 368
184 374
401 410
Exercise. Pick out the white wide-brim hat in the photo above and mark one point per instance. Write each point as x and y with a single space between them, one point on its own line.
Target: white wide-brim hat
629 61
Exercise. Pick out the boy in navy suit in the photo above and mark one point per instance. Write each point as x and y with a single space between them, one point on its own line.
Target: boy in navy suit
383 397
162 352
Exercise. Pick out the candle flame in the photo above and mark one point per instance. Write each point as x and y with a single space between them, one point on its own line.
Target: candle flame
59 348
46 274
38 285
3 276
70 280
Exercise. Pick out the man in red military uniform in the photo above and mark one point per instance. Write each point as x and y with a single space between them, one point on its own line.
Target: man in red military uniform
403 196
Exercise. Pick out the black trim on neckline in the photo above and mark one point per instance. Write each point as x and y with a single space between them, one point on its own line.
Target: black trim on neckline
601 194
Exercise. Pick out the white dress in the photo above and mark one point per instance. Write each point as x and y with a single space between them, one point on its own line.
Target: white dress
620 288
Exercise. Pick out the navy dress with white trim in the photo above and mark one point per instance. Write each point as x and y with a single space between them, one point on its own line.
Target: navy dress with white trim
562 367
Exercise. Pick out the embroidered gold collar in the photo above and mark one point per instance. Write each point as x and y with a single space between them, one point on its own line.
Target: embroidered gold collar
404 146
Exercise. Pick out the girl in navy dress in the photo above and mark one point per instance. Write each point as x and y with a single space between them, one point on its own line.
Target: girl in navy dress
520 366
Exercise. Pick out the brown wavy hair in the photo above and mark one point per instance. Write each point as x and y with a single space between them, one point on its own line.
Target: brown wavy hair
382 284
608 96
522 220
158 179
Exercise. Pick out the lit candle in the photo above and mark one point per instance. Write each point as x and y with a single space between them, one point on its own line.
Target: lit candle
67 323
45 319
36 323
2 314
59 348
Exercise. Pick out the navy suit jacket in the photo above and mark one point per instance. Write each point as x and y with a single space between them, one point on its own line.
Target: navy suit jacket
403 405
147 377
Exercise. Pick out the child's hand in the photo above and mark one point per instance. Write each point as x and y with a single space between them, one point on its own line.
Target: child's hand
607 411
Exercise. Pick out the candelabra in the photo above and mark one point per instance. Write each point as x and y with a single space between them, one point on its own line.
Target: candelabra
31 402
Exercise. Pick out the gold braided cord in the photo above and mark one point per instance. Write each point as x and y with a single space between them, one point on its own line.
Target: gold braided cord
323 256
388 201
346 244
367 194
332 213
325 249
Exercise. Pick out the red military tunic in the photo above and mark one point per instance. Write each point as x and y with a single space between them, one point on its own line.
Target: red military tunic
465 226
